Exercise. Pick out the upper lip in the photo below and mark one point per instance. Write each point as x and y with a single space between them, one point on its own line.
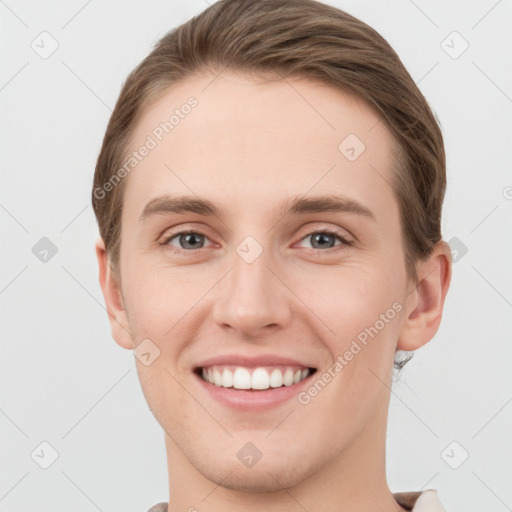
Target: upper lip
252 362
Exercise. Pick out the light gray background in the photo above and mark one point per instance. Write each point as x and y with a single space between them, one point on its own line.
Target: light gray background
66 382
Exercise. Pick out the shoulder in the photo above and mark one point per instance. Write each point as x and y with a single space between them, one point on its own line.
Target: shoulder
426 501
159 507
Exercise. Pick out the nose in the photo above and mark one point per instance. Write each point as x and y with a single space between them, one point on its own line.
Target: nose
251 299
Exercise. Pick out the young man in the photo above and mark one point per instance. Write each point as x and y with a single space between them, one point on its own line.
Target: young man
269 197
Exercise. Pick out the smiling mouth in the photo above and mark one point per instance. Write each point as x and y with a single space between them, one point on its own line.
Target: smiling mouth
261 378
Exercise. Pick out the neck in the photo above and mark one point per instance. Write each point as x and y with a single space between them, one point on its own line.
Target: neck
353 481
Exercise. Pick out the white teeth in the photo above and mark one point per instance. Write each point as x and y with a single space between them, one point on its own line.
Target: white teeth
276 378
288 377
241 379
260 378
227 378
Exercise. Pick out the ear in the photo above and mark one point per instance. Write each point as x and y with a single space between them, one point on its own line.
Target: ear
425 302
118 318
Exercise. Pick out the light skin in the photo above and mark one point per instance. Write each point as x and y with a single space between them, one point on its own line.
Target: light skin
249 146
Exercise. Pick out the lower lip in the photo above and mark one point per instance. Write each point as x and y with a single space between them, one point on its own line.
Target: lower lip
257 400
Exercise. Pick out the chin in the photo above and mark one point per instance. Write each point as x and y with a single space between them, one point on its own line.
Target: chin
272 472
264 479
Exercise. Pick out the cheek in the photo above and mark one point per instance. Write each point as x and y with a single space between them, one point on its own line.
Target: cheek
339 301
362 309
161 308
158 299
347 299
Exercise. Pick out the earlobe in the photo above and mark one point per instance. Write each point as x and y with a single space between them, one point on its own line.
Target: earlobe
116 310
426 301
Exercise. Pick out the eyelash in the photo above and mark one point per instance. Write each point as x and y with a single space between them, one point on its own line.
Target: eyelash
327 231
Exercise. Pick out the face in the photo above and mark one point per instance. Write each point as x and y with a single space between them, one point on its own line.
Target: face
261 232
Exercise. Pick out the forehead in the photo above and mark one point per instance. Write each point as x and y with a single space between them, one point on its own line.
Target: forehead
239 139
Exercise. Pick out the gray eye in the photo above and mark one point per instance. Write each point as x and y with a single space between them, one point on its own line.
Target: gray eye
188 240
321 240
191 240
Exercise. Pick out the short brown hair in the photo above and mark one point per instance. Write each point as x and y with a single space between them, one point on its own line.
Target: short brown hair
292 38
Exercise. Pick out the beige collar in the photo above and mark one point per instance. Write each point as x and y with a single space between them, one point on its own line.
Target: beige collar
426 501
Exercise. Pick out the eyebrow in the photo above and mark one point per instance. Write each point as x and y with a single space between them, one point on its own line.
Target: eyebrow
294 206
